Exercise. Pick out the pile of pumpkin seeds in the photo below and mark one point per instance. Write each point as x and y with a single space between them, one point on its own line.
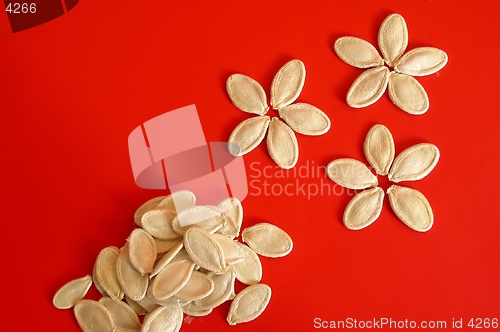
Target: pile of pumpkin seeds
182 259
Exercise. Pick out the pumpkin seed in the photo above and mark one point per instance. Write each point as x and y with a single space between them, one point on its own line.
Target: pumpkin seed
92 316
158 223
149 205
131 281
247 135
166 258
364 209
368 87
233 253
163 246
282 144
197 287
249 271
305 119
105 273
379 148
411 207
192 310
204 250
408 94
351 173
267 240
123 315
170 280
247 94
421 61
414 163
223 290
138 309
357 52
232 213
142 249
147 303
178 201
249 304
173 301
72 292
201 216
287 84
163 319
393 38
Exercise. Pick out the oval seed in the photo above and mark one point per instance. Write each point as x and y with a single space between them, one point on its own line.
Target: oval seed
105 273
393 38
223 290
149 205
178 201
282 144
147 303
368 87
138 309
72 292
232 213
201 216
357 52
166 258
197 287
158 223
192 310
421 61
247 135
204 250
411 207
142 249
287 84
247 94
233 253
163 319
268 240
305 119
364 208
162 246
414 163
408 94
123 315
173 301
131 281
170 280
249 304
249 271
351 173
379 148
92 316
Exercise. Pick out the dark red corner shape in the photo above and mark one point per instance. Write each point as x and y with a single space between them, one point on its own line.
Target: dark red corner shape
46 10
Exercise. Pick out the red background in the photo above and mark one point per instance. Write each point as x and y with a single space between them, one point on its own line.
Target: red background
74 88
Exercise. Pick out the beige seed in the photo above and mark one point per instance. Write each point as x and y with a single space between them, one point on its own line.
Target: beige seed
411 207
408 94
201 216
92 316
233 253
147 303
158 223
249 271
170 280
72 292
163 319
204 250
162 246
181 255
192 310
287 84
368 87
197 287
305 119
393 38
249 304
247 135
268 240
149 205
142 249
357 52
178 201
138 309
131 281
173 301
247 94
166 258
379 148
223 290
282 144
414 163
123 315
364 209
105 273
232 213
351 173
421 61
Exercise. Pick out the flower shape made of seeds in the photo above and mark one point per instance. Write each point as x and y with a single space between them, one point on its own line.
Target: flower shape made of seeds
409 205
404 90
249 96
